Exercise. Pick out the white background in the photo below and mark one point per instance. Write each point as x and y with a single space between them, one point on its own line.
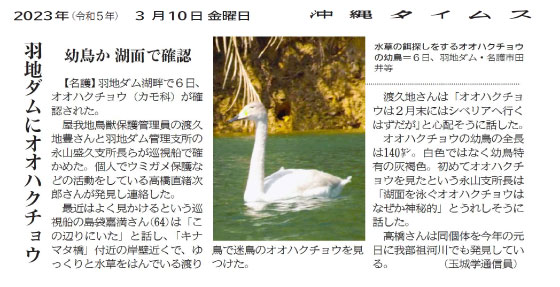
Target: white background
538 76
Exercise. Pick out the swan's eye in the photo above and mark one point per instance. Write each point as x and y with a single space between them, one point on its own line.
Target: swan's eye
252 107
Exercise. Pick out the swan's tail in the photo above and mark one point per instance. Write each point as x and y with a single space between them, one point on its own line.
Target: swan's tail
345 181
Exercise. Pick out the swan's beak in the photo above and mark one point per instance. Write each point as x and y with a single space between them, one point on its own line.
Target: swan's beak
241 116
233 119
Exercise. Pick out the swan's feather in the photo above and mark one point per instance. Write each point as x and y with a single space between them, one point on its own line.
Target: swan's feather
289 183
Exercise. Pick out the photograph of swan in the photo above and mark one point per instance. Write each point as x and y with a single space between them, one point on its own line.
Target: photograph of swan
285 183
289 138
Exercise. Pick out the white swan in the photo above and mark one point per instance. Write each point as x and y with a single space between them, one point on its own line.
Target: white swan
285 183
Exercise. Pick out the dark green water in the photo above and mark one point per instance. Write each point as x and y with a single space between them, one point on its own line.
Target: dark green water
341 218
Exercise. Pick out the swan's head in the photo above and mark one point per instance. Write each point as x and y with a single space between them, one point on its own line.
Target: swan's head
254 111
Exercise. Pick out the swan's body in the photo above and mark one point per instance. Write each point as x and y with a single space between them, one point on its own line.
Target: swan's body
288 183
285 183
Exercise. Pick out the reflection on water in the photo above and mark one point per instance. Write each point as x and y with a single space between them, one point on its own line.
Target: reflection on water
265 209
305 218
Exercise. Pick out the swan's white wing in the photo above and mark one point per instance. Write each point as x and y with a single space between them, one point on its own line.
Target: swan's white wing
288 183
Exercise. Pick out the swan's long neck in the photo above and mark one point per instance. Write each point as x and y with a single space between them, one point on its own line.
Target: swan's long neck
255 183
